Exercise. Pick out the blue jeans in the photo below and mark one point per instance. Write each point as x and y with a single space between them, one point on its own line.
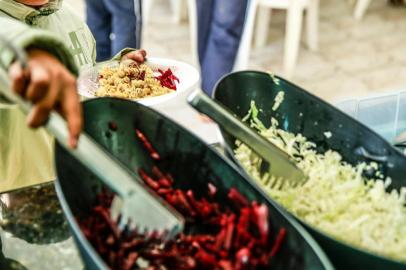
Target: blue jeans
220 26
120 19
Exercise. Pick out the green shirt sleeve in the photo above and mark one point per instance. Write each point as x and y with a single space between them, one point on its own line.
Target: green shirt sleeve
25 36
122 53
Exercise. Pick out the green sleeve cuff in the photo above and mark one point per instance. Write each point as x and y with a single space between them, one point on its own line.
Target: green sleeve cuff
118 56
121 53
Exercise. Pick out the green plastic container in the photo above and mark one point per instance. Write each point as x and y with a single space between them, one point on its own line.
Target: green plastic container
302 112
190 161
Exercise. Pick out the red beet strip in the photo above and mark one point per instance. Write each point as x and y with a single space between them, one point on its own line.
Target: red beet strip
167 79
153 153
238 240
112 126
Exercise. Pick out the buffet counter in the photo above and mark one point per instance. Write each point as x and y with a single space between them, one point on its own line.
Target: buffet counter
34 232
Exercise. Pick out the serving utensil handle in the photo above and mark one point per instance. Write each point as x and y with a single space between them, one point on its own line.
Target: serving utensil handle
109 170
281 163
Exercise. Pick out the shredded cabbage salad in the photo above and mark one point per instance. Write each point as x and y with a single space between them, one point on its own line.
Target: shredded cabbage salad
337 198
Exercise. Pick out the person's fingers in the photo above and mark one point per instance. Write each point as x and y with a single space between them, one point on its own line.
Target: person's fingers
71 110
143 52
40 111
138 56
132 56
205 119
38 86
17 79
37 116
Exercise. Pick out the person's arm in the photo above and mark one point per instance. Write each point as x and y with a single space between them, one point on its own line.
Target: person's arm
49 81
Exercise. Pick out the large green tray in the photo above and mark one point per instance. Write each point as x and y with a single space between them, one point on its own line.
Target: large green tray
302 112
192 164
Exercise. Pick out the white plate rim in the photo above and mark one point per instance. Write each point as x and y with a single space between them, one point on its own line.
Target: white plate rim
188 76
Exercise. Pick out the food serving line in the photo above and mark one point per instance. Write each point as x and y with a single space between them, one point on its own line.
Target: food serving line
249 230
34 230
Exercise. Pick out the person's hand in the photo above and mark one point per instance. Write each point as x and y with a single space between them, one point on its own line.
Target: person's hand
205 119
48 85
137 56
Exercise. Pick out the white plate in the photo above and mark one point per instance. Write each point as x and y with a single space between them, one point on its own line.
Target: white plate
88 81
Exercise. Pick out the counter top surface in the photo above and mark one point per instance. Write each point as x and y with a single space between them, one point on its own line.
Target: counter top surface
34 232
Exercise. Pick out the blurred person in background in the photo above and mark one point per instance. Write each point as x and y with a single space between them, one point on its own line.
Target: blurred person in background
115 24
220 27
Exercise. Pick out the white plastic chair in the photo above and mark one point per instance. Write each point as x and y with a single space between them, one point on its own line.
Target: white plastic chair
192 15
360 8
178 9
295 10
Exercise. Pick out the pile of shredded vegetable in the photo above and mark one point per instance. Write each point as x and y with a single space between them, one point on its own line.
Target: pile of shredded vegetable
337 198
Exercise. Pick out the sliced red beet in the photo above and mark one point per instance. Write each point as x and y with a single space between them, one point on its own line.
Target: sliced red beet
153 153
224 238
212 189
261 219
112 126
237 198
167 79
